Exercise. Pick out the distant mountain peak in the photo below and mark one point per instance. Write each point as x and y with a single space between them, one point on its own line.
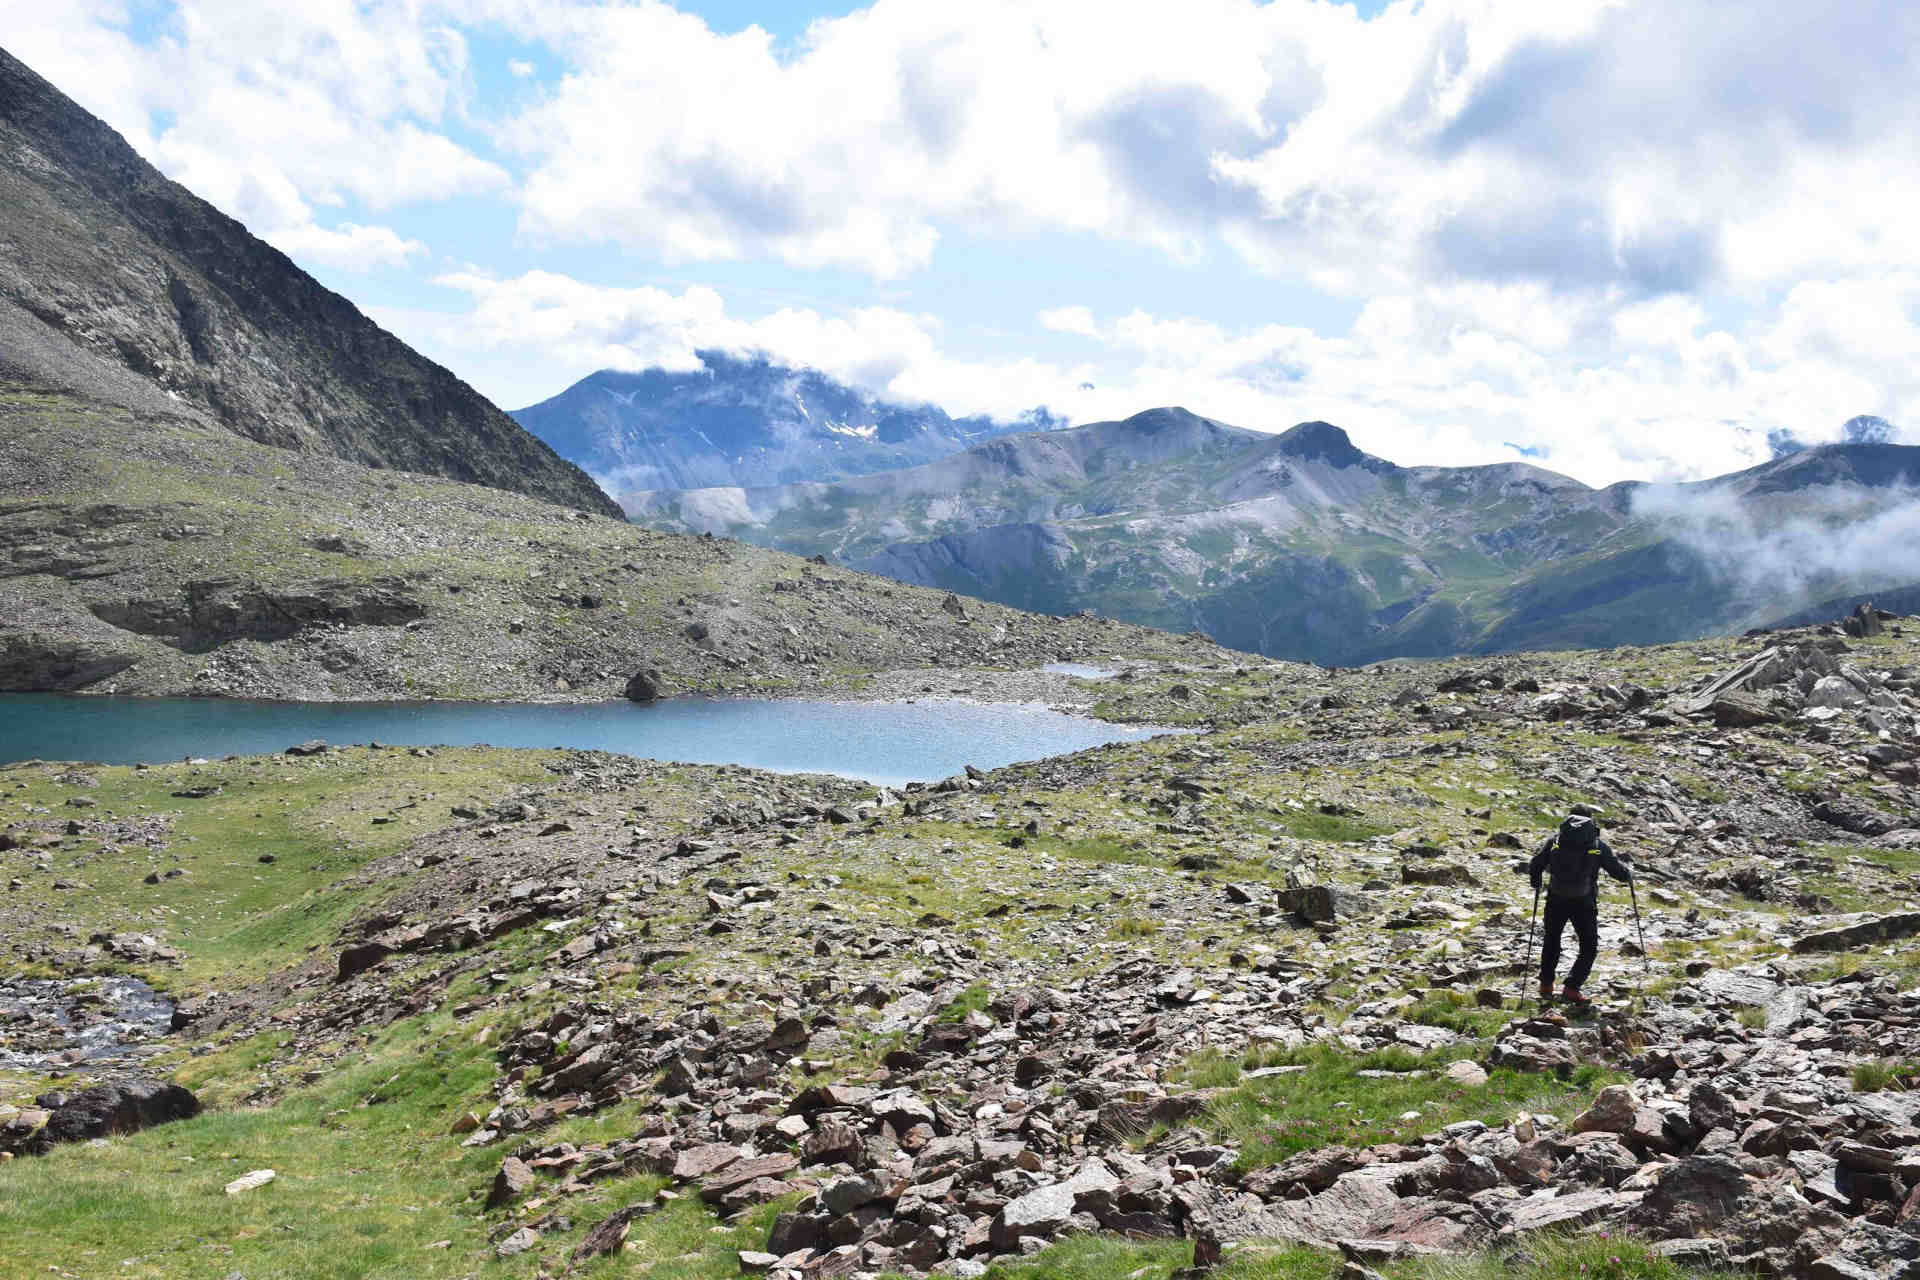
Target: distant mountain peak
1867 428
1165 418
746 420
1321 442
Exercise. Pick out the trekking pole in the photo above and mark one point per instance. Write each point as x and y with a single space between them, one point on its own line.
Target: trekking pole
1526 965
1646 965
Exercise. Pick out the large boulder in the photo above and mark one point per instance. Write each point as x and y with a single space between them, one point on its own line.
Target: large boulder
1042 1213
1853 815
103 1111
1864 621
646 686
1693 1197
1321 903
1834 691
1737 710
1612 1112
1886 928
510 1182
1520 1051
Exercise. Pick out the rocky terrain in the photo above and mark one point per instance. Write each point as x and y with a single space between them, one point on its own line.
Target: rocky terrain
1301 545
1241 1003
144 553
122 287
740 420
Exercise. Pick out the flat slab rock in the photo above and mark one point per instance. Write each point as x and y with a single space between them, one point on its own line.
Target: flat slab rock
1900 924
1736 988
1545 1210
1363 1206
698 1162
1040 1212
250 1181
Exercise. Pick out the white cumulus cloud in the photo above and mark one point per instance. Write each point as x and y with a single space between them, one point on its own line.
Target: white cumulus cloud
347 247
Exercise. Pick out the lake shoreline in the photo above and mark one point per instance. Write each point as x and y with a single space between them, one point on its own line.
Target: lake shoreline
1069 694
886 742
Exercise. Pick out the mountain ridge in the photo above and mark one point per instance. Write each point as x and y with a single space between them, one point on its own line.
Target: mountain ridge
1299 544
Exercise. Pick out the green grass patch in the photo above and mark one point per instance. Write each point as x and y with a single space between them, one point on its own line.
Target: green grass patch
1273 1117
1104 849
1872 1077
1546 1257
1099 1258
1332 828
232 916
368 1178
1601 1256
1457 1012
973 1000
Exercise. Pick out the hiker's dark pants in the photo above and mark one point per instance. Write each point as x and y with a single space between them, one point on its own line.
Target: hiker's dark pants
1584 915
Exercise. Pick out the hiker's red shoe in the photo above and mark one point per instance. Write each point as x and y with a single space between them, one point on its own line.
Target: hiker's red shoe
1546 993
1573 997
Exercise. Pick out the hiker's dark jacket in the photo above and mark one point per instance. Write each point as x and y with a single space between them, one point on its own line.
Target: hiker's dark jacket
1602 855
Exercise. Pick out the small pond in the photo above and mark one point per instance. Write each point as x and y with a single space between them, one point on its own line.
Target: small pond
1079 670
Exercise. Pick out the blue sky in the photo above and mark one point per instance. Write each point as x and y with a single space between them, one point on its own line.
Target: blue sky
1618 238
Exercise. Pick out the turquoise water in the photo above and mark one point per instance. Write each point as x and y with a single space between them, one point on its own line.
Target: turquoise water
885 742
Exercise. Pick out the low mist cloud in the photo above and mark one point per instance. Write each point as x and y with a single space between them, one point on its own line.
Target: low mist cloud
1786 551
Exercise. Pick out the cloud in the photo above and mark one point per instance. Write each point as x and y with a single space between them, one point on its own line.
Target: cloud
1636 147
1075 319
270 110
1587 145
896 120
347 247
1838 539
598 327
1618 147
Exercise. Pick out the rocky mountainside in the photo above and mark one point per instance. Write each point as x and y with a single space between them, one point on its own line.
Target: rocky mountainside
148 554
743 421
1243 1003
123 287
1300 545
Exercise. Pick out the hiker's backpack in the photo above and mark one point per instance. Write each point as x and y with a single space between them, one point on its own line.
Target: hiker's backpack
1570 866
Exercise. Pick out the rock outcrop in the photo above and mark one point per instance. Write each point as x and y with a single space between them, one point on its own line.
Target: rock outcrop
103 1111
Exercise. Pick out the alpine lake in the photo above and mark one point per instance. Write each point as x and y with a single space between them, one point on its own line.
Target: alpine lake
886 743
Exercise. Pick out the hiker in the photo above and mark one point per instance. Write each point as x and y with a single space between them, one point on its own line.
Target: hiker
1571 861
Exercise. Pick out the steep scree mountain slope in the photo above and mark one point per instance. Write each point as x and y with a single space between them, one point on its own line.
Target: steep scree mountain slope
1301 545
122 286
743 421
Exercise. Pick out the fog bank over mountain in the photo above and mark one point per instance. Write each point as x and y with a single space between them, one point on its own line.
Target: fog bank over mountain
1839 533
